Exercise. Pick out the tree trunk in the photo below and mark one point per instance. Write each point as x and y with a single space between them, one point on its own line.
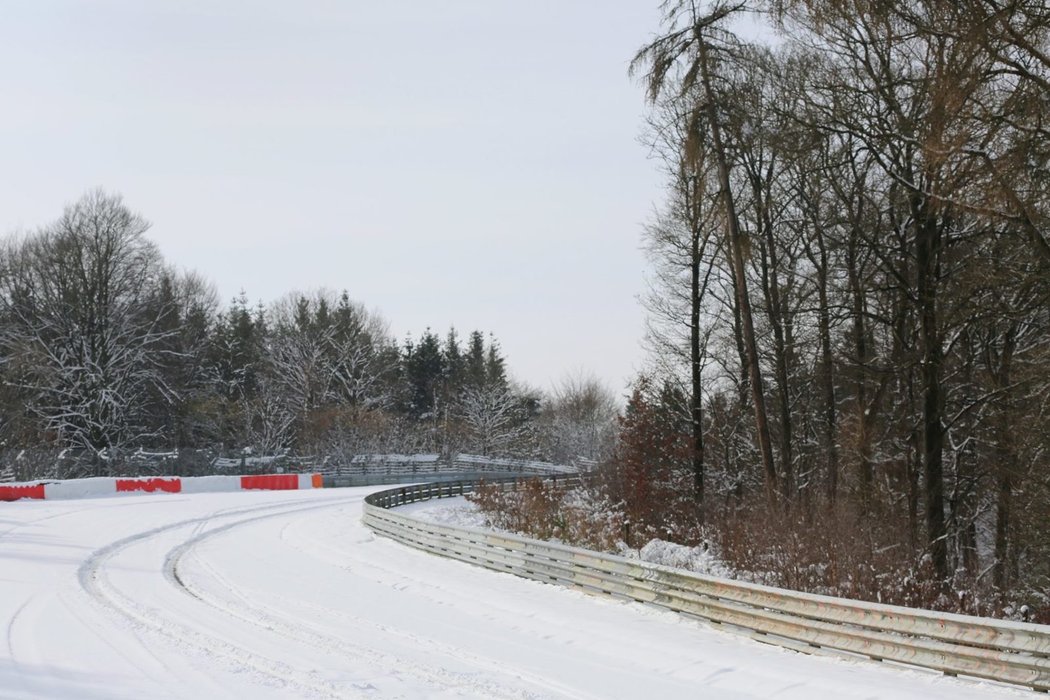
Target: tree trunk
927 245
827 369
774 304
914 464
696 406
736 246
1003 515
861 357
1004 569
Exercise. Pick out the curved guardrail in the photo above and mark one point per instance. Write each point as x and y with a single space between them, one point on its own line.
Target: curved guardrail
1010 652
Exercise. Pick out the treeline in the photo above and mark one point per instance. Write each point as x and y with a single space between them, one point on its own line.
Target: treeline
106 348
849 316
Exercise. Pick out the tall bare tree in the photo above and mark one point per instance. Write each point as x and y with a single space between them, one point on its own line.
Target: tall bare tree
683 60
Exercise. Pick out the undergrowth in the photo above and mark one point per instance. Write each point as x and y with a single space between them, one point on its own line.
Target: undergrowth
823 550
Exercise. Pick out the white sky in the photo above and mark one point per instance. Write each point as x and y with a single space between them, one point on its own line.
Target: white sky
466 161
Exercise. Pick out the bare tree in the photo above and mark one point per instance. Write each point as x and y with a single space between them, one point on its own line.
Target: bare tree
914 97
882 179
76 295
494 417
579 420
692 38
683 250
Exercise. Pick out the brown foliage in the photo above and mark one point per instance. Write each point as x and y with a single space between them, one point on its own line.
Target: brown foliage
648 480
543 510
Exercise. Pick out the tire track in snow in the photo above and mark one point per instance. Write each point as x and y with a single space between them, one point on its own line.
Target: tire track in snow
77 612
335 557
10 639
295 629
394 577
93 579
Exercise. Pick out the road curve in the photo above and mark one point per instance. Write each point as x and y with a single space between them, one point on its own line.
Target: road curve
287 595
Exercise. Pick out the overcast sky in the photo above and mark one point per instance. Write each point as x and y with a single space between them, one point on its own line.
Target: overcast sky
467 162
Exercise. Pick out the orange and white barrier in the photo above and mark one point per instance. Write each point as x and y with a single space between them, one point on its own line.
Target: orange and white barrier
108 486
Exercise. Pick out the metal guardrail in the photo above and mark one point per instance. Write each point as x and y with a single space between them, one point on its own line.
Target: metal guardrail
1009 652
422 464
373 479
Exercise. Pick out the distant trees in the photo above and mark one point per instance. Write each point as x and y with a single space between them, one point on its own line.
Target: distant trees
189 304
105 348
424 370
579 420
325 351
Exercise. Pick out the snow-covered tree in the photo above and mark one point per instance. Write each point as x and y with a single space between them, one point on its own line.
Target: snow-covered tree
363 356
84 317
327 354
423 369
579 420
495 418
297 352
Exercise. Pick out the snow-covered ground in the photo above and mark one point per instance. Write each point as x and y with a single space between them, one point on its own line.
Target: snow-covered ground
287 595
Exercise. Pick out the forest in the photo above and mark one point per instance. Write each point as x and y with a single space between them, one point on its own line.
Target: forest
849 320
112 360
849 304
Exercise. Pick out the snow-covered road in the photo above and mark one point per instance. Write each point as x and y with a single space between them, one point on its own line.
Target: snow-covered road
287 595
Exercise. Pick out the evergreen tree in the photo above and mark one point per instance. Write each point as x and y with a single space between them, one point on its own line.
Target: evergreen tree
475 360
236 350
424 366
495 369
454 363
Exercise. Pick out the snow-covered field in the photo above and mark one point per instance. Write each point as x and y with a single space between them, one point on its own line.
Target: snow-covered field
287 595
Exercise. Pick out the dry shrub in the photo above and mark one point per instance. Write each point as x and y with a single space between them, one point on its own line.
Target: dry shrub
543 510
817 549
654 505
829 551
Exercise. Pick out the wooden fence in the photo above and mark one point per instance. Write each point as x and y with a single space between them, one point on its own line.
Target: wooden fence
1010 652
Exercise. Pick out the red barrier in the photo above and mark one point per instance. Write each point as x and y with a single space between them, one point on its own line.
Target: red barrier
271 482
149 485
13 493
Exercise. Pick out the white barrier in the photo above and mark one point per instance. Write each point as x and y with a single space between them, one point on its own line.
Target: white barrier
207 484
79 488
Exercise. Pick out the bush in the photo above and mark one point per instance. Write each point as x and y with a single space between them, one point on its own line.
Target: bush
544 510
